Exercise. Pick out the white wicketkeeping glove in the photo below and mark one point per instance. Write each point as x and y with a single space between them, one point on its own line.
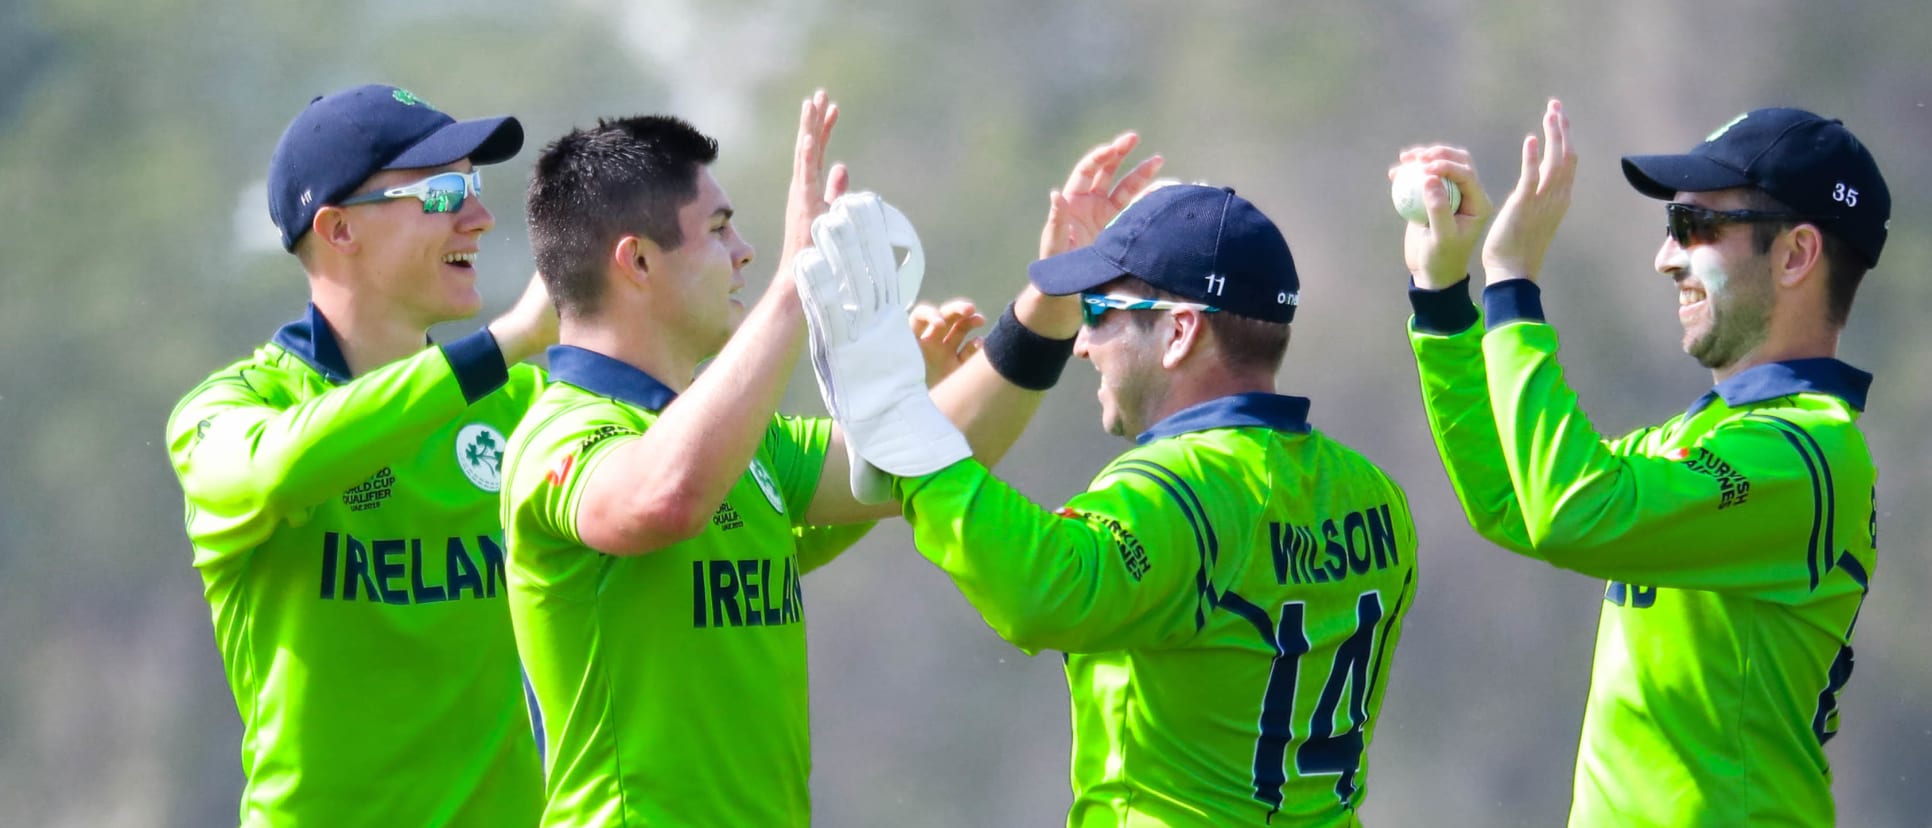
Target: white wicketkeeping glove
867 361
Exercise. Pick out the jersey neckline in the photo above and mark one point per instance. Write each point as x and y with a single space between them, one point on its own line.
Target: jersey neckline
1254 409
312 341
608 376
1817 375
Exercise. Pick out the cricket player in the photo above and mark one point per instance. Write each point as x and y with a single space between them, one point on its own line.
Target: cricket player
1229 592
341 487
660 518
1738 536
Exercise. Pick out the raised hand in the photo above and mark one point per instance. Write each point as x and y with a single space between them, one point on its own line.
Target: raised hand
1529 218
1437 253
943 333
812 190
1090 198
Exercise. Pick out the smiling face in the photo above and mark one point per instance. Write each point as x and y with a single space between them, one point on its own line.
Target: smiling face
1724 287
1127 353
424 264
703 277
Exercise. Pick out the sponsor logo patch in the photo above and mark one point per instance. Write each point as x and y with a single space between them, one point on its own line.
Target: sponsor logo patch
1733 487
1132 555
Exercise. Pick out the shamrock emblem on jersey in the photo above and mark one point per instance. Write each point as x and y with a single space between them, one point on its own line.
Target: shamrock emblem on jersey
479 453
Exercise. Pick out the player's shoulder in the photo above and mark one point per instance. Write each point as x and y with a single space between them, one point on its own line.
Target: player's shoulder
1820 422
563 415
1349 460
1211 452
525 377
1193 468
557 435
1178 454
1810 410
268 377
521 389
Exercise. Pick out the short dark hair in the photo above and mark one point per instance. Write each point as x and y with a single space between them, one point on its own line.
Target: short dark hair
593 186
1247 343
1845 267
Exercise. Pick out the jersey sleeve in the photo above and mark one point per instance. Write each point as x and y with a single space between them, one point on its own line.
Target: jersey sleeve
1446 334
795 447
1748 508
569 454
249 449
1125 564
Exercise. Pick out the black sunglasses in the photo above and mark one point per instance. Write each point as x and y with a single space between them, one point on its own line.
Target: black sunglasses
1689 224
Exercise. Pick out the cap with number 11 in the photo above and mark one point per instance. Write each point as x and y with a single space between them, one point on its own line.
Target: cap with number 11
1204 243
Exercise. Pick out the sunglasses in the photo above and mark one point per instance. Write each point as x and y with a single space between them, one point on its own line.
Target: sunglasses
441 193
1093 306
1689 224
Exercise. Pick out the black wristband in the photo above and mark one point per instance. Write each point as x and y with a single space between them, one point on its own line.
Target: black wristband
1025 358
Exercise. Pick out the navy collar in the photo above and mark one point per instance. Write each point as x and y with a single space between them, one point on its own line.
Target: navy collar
607 376
1819 375
1255 409
311 340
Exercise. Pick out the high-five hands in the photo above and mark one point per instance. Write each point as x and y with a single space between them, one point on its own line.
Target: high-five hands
1090 198
867 360
812 189
945 336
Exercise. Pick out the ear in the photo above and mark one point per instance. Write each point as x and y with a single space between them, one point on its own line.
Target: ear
636 258
1797 255
1185 333
331 226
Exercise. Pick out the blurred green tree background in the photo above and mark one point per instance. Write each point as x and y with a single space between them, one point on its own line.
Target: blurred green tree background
134 138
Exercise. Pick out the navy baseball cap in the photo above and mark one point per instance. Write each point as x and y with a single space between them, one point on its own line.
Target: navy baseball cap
1204 243
343 138
1813 165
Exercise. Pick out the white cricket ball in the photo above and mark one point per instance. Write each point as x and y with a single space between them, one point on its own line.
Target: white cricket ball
1406 191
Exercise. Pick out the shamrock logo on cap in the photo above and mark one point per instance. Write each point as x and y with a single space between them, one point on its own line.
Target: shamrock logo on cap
405 97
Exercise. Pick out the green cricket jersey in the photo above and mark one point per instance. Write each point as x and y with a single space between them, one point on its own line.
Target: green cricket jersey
347 538
673 684
1738 538
1229 595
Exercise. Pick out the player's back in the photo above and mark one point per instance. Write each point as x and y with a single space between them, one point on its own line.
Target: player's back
1262 714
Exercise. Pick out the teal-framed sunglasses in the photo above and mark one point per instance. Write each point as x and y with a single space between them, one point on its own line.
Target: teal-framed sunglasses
441 193
1093 306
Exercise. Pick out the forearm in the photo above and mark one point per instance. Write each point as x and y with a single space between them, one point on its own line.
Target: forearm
1446 335
660 488
988 408
1582 504
991 409
1032 574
